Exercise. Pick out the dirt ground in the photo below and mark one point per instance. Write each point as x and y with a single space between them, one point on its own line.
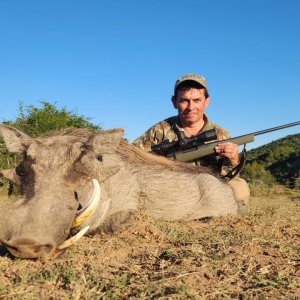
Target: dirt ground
255 255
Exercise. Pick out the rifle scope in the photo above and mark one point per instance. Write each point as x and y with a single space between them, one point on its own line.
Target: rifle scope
166 147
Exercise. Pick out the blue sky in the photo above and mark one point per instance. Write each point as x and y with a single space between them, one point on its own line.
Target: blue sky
116 62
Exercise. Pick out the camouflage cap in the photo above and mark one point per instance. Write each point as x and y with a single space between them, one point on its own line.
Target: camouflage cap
193 77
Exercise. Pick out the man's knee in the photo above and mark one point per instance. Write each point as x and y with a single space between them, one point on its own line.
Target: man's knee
240 189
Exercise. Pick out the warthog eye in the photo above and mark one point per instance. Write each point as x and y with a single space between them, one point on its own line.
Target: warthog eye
99 157
20 171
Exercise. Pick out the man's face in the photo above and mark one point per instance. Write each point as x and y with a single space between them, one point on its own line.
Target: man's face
191 105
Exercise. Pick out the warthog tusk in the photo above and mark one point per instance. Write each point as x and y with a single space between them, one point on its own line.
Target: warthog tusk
72 240
83 214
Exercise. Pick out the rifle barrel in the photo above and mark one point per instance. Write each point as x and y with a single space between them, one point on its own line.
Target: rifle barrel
276 128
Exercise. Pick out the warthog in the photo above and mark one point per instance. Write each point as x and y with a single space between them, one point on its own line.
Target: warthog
60 178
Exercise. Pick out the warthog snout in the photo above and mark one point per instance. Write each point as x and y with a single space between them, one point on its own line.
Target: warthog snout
28 248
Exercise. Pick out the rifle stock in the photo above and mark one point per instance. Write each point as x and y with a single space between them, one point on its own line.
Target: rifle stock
208 148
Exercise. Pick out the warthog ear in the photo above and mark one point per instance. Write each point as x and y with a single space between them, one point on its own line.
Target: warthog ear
106 142
15 140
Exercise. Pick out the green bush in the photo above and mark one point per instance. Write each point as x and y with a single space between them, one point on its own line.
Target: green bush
37 121
280 158
256 173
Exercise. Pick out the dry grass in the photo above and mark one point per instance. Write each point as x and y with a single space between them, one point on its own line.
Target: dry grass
255 255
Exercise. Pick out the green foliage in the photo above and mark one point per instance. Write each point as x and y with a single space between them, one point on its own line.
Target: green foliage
256 173
278 161
37 121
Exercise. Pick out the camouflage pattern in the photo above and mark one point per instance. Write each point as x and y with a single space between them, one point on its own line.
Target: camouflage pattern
164 130
193 77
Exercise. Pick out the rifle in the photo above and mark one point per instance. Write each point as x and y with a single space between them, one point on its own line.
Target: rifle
203 144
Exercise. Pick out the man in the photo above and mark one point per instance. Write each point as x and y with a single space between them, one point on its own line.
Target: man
191 98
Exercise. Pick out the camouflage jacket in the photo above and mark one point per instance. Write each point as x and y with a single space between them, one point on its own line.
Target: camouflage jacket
166 130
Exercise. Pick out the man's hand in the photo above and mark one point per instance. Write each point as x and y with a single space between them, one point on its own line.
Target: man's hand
230 151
